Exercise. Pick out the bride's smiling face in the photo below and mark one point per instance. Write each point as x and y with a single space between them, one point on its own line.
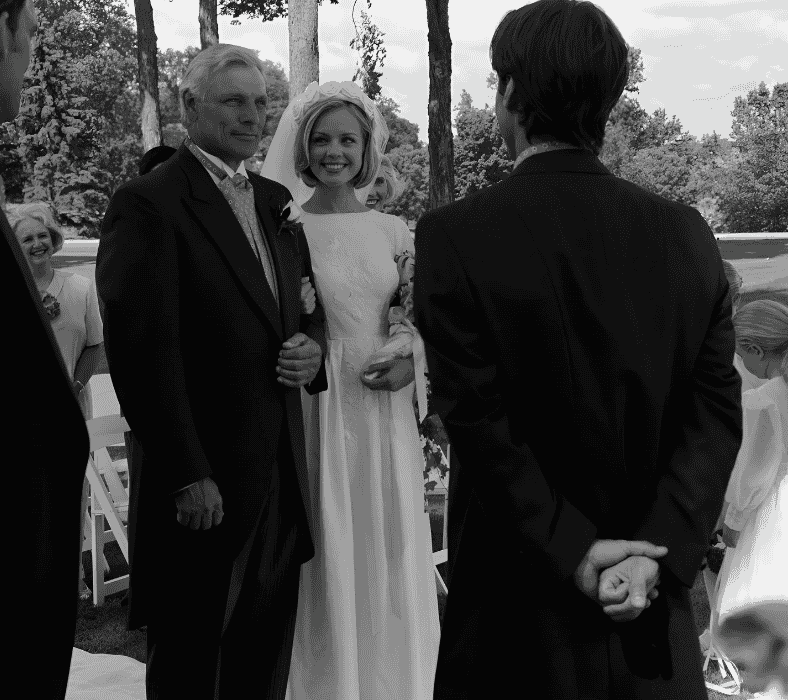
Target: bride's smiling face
336 148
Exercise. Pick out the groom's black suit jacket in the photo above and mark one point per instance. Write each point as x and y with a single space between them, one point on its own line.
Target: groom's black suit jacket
192 335
580 351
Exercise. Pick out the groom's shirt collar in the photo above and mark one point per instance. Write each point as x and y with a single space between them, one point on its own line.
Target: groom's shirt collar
218 161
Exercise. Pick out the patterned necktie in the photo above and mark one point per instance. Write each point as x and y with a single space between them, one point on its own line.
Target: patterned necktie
238 192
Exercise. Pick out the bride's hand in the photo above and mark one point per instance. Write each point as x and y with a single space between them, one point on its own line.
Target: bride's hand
393 375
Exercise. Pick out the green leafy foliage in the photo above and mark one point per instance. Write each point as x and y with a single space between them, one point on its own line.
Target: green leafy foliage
265 10
756 192
75 140
413 166
401 131
368 42
480 155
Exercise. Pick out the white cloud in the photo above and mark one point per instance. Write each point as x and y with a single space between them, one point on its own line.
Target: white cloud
264 44
702 86
743 63
335 55
399 57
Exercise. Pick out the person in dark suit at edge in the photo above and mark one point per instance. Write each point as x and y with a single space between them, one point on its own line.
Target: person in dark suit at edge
44 431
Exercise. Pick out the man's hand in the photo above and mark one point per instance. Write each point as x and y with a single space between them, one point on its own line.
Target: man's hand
200 505
391 376
606 553
626 589
299 361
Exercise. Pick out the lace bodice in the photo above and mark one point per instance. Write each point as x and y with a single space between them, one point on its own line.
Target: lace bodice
355 273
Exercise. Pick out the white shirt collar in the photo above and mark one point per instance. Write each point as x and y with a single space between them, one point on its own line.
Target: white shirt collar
223 165
56 285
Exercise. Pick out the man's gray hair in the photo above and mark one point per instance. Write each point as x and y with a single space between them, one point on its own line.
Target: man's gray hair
207 63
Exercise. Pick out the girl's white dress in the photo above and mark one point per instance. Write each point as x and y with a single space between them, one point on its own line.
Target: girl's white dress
367 624
756 570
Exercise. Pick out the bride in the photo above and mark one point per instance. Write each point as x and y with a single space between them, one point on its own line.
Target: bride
367 624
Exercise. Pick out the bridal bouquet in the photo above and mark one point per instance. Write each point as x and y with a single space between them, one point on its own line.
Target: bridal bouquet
401 329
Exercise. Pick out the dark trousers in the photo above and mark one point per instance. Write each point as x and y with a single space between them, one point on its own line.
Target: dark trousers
189 657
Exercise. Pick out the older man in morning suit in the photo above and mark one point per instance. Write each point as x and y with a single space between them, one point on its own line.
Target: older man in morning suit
208 352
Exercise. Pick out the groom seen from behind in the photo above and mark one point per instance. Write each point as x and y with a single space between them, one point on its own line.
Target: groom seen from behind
580 349
207 348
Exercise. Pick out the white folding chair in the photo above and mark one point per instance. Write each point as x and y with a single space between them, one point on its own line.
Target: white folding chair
442 556
109 502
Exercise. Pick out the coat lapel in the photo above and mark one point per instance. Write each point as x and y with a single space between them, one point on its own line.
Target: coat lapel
213 214
286 258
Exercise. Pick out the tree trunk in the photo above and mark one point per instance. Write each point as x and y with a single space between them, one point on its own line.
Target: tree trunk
209 23
441 141
148 75
304 56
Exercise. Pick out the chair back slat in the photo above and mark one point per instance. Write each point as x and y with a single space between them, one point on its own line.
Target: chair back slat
106 430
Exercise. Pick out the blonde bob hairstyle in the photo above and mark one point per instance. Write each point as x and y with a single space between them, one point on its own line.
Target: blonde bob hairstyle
393 185
764 323
42 214
371 161
206 64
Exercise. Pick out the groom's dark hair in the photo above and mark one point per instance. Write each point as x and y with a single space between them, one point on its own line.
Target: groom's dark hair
569 65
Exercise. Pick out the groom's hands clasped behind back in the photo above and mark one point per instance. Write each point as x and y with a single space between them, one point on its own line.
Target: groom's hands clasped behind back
620 575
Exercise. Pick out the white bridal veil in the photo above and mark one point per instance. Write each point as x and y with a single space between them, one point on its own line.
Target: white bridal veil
280 162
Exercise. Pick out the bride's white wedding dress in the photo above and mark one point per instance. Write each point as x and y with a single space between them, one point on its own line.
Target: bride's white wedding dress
757 494
367 625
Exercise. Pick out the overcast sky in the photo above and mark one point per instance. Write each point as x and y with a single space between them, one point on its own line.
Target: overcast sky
698 54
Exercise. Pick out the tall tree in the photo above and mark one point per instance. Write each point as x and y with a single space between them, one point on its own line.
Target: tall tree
172 65
148 75
401 130
209 23
756 197
413 167
302 26
480 155
304 54
77 133
368 42
441 143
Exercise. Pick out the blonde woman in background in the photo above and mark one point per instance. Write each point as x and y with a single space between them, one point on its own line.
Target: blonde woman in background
71 304
755 530
748 380
386 187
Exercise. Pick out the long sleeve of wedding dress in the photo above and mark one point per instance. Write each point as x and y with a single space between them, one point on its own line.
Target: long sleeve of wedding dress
762 452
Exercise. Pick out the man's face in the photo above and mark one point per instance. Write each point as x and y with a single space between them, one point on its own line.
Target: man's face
15 58
228 121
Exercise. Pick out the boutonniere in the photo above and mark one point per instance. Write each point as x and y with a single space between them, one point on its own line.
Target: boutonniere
51 306
290 220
